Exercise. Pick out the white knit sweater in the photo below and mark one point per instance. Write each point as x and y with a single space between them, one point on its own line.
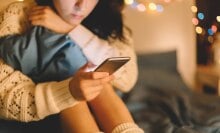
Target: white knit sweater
23 100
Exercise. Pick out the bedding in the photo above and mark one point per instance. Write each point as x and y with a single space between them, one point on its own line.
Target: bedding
162 103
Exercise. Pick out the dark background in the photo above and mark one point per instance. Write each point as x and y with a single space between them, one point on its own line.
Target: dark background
211 9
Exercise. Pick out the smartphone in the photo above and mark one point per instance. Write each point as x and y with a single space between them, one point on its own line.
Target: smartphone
112 64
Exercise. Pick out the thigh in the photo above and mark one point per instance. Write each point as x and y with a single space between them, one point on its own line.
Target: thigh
78 119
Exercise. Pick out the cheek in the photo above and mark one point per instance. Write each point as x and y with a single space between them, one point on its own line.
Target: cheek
91 8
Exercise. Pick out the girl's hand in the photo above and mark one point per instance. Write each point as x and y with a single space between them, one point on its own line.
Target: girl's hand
88 85
46 17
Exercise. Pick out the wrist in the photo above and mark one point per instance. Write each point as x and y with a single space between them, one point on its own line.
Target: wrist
67 28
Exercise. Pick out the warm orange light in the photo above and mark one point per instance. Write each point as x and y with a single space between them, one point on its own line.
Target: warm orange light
129 2
195 21
194 9
199 30
152 6
141 7
218 18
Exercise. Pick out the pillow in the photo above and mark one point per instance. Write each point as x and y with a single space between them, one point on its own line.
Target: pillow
158 70
163 61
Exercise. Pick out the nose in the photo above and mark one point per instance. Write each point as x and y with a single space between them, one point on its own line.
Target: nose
81 5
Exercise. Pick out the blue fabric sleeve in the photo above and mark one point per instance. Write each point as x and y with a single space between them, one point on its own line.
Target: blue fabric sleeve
42 55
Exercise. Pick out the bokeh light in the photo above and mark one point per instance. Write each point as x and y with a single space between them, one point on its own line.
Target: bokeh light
129 2
160 8
141 7
199 30
210 32
152 6
194 9
214 28
201 16
218 18
195 21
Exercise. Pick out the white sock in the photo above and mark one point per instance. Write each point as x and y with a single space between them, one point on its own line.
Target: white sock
127 128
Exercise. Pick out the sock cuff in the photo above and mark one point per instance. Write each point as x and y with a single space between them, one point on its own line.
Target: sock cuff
127 128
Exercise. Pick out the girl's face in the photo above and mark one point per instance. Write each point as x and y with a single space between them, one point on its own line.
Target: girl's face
74 11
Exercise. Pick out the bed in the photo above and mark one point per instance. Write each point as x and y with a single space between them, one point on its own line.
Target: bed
162 103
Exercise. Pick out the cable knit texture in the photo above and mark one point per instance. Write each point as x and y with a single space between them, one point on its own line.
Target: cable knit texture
13 19
20 98
127 128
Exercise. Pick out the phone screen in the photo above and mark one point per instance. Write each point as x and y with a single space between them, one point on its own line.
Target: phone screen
111 65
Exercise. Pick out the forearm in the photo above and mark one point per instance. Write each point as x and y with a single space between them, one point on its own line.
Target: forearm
97 50
22 100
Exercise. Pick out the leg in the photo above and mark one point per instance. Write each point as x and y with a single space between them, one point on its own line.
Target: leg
109 110
78 119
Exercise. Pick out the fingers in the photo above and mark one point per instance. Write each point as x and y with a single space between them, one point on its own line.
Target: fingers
95 75
96 82
88 85
38 14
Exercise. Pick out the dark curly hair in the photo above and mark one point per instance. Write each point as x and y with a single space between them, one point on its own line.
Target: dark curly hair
106 20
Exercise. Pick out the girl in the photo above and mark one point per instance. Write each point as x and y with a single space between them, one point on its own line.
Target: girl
97 103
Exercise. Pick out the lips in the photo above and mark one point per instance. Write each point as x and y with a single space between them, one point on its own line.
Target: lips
77 16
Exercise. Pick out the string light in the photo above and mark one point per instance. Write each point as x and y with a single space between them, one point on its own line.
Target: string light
199 29
194 9
214 28
218 18
141 6
152 6
160 8
211 39
201 15
129 2
195 21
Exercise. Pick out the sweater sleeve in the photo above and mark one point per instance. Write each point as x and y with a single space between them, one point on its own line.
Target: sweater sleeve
53 56
97 50
49 53
22 100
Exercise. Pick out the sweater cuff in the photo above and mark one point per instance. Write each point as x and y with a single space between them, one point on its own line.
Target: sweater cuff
53 97
81 36
62 96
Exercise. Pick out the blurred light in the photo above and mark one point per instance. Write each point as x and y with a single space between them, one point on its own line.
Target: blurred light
141 7
214 28
201 16
194 9
199 30
210 32
20 0
160 8
211 39
195 21
218 18
129 2
134 4
152 6
167 1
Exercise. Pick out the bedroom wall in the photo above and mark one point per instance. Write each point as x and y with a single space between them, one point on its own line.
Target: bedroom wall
171 29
